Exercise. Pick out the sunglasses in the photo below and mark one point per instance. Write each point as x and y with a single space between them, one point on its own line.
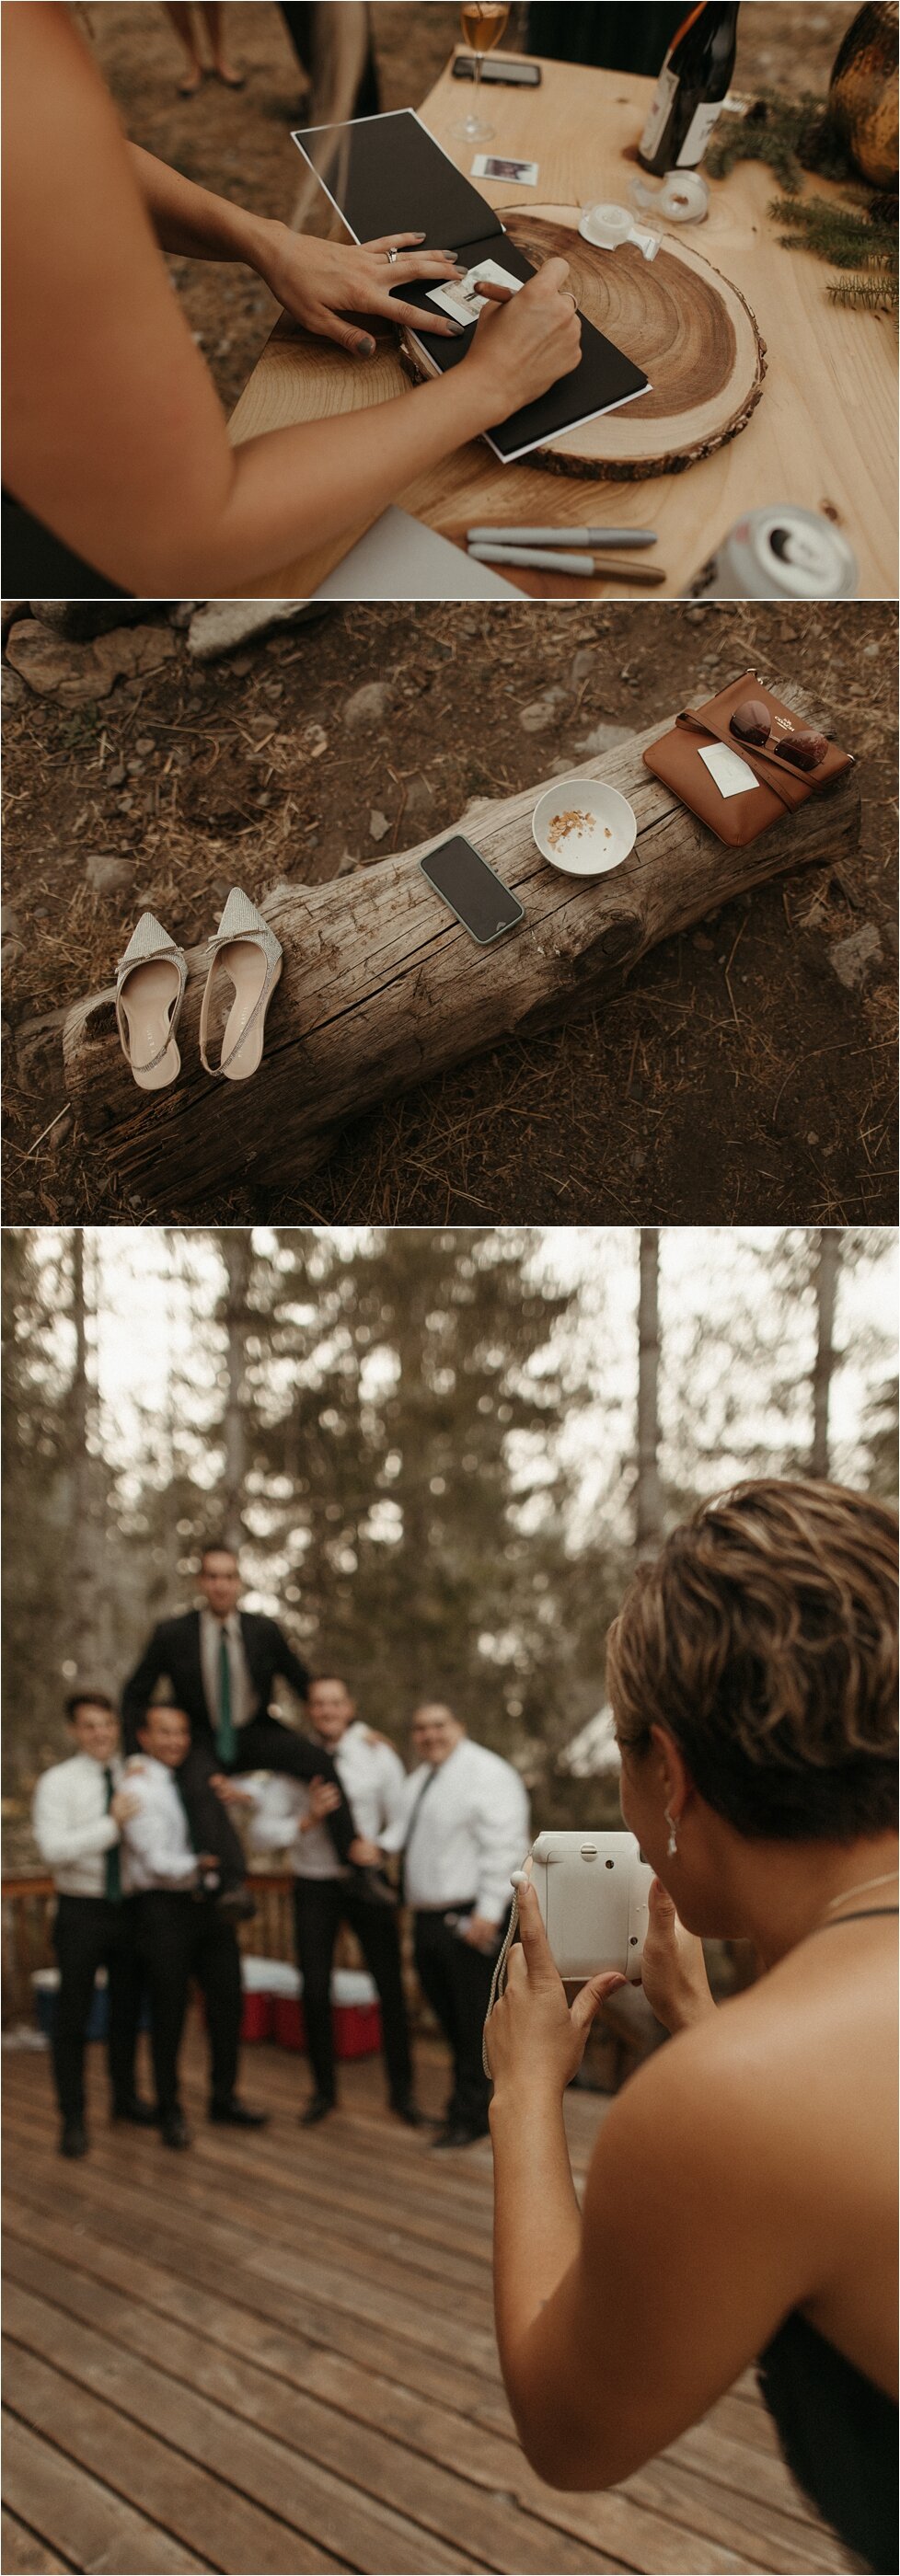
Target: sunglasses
750 724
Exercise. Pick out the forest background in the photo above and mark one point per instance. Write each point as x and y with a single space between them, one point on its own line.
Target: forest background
441 1451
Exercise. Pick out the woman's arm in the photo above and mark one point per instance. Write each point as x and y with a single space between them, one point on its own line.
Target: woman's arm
114 435
619 2330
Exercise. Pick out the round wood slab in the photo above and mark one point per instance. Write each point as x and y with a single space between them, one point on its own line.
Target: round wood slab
684 324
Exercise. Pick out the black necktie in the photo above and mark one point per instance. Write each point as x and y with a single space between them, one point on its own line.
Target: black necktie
112 1886
430 1775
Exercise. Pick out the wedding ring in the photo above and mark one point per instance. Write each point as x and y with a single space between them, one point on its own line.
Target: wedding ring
571 299
391 255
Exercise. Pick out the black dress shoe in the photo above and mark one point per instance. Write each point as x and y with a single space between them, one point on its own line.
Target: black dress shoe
409 2111
237 2115
144 2115
316 2110
236 1905
174 2130
372 1888
458 2134
73 2138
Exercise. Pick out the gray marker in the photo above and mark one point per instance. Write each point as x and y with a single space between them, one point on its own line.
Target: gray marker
561 536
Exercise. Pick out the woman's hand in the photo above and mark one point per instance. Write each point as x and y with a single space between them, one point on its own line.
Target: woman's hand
534 2038
673 1971
523 343
319 282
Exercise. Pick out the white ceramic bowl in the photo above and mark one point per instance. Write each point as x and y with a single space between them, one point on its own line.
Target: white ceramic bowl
589 848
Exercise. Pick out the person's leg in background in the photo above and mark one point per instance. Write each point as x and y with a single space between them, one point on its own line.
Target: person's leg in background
265 1744
216 1965
469 1972
379 1941
317 1913
165 1935
125 1971
79 1939
210 1824
313 33
184 21
431 1941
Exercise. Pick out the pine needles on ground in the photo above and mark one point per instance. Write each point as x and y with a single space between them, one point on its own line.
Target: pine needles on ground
855 232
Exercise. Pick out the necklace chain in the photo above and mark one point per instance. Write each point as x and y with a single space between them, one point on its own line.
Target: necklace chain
862 1889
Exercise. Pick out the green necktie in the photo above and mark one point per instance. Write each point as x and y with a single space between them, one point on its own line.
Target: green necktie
112 1888
225 1733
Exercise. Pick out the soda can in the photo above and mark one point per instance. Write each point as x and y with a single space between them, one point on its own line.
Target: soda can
785 553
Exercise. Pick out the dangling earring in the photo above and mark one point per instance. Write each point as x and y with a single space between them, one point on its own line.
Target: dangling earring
672 1844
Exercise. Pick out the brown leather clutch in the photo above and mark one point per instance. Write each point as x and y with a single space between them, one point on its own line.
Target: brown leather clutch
778 788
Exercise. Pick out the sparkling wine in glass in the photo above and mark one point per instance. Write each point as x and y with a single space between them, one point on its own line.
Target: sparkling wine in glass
483 24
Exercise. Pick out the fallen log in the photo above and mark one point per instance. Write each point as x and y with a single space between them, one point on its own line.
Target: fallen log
382 987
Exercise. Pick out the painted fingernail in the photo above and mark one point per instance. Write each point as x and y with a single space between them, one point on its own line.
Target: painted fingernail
365 346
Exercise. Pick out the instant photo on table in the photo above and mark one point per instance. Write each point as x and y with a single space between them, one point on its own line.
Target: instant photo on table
386 174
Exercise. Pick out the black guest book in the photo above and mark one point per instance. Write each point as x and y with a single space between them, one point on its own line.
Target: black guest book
386 174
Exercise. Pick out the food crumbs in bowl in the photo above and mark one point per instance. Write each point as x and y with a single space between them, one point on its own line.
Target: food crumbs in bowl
573 820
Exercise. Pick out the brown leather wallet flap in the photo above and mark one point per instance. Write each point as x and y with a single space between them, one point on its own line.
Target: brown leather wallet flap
779 788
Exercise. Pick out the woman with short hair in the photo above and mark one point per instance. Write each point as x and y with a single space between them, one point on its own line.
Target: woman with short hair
741 2201
118 470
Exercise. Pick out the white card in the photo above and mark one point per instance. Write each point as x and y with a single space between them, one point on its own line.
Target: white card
495 165
731 774
461 298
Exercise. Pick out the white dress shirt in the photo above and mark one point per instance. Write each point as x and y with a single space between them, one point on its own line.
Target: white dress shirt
469 1832
244 1695
72 1827
372 1778
156 1846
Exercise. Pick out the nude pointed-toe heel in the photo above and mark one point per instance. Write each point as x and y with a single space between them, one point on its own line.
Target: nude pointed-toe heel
150 987
250 956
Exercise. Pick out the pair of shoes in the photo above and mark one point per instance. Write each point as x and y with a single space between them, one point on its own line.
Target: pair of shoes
174 2130
237 2115
237 1905
317 2109
458 2133
372 1888
408 2110
151 980
143 2115
73 2138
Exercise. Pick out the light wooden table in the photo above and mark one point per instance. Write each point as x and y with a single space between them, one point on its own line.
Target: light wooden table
823 434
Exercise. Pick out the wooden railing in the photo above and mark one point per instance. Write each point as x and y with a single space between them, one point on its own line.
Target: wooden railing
26 1911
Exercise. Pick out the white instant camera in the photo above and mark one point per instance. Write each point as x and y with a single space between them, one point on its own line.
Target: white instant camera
594 1893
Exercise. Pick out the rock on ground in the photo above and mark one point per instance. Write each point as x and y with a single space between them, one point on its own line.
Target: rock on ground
83 618
368 706
222 625
56 667
852 958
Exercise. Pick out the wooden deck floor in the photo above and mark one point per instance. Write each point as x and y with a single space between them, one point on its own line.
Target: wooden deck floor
277 2354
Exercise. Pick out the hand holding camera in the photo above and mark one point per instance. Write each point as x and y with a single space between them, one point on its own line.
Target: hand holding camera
533 2035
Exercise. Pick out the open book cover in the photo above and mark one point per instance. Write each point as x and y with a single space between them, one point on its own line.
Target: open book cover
386 174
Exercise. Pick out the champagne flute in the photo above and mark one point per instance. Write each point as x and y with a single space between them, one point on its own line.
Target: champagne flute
483 24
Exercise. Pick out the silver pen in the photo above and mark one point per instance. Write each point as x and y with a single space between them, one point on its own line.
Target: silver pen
544 559
561 536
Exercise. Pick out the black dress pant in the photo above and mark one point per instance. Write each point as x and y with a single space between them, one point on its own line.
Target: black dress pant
456 1980
320 1905
181 1937
265 1744
90 1933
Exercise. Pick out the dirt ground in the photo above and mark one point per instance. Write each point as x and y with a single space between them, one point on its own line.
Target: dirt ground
737 1077
238 142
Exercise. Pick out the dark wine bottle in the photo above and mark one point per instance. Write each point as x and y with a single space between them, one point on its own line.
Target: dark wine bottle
694 80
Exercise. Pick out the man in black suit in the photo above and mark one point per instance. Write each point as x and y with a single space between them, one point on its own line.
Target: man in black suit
221 1663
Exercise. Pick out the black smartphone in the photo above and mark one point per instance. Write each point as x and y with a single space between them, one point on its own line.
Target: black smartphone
502 69
478 897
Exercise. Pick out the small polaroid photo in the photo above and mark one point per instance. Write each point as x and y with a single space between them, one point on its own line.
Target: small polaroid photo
489 165
461 298
731 775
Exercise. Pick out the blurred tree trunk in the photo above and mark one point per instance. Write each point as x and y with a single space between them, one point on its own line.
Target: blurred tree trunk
236 1250
648 1512
827 1273
83 1596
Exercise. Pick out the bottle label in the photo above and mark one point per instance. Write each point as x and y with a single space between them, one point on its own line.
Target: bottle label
698 133
666 91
